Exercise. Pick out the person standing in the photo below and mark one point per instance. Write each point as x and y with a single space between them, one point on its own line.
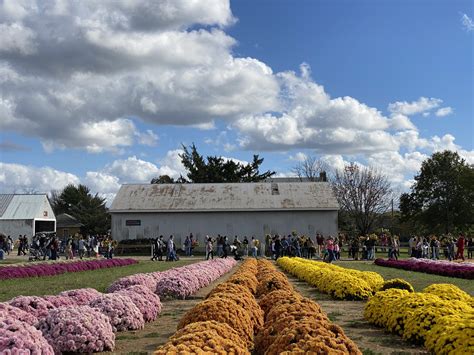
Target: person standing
255 244
460 245
54 248
209 248
171 254
187 246
320 244
330 249
82 247
245 242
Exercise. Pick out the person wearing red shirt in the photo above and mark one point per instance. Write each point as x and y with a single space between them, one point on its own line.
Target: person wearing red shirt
460 244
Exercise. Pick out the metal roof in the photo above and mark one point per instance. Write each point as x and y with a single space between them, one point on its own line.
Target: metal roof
225 197
21 206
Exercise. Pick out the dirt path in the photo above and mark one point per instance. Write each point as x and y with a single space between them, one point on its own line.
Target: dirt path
349 315
156 333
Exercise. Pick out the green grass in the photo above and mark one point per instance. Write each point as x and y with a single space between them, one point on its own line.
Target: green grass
334 315
419 280
98 279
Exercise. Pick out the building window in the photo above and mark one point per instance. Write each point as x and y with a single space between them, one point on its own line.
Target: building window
133 222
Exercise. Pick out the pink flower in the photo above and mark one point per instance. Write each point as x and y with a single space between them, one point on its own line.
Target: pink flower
18 337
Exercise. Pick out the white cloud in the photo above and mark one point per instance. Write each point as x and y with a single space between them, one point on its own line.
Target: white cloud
444 111
299 156
17 38
467 23
423 104
148 138
18 178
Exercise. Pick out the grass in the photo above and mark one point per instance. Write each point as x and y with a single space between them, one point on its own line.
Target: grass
333 315
98 279
418 280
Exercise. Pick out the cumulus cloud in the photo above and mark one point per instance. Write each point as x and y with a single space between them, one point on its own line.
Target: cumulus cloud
18 178
423 104
167 62
444 111
467 23
148 138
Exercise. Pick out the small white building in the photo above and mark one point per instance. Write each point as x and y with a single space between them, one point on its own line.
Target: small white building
26 214
242 209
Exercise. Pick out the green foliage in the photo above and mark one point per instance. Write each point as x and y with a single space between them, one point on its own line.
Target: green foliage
442 197
89 209
162 179
218 169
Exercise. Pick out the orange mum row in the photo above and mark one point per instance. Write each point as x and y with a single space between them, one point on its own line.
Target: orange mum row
224 322
293 323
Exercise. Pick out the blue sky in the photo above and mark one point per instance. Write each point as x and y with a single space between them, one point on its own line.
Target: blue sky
105 94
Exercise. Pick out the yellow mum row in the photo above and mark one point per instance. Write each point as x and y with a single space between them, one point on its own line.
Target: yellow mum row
441 317
339 282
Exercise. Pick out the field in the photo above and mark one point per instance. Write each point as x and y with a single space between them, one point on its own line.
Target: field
348 314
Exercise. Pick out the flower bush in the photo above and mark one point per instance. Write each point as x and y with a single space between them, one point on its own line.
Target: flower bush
444 324
452 334
437 267
80 330
184 281
340 283
209 337
60 301
223 311
449 292
379 307
18 337
122 312
7 311
146 301
51 269
33 305
82 296
397 283
146 280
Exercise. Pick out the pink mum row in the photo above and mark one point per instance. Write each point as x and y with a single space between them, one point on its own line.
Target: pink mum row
84 320
51 269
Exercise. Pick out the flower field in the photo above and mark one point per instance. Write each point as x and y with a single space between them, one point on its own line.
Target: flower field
463 270
85 320
441 317
340 283
51 269
257 311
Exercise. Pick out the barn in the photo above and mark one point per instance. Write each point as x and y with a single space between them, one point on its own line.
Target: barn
26 214
242 209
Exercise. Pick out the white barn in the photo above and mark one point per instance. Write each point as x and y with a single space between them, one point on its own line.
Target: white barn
26 214
251 209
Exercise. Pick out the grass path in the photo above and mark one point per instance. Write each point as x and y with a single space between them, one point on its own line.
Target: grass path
98 279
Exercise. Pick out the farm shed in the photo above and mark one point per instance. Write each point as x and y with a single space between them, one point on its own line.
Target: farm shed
26 214
251 209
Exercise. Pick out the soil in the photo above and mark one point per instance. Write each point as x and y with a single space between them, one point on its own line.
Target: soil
347 314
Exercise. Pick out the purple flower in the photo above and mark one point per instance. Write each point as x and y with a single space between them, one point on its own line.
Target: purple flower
18 337
34 305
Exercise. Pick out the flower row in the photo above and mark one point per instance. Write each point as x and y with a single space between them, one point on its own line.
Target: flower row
441 317
340 283
294 324
437 267
84 320
231 321
51 269
224 322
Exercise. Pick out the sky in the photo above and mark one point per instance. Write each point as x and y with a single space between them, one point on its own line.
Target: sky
107 92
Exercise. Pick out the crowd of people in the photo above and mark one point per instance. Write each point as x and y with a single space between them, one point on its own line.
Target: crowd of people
48 246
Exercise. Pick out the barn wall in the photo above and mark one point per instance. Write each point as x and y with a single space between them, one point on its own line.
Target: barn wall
224 223
15 227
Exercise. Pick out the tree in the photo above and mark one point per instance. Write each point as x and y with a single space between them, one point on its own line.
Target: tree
162 179
310 168
89 209
363 194
218 169
442 197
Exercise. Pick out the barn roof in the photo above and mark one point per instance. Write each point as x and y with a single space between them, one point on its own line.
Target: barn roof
65 220
14 206
225 197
